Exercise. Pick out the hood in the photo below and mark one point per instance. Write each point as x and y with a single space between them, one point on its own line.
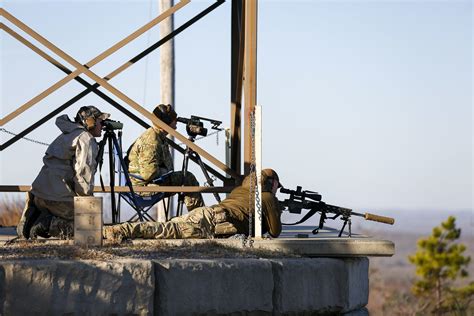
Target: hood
66 125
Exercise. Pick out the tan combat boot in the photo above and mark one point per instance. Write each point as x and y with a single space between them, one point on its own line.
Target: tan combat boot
113 233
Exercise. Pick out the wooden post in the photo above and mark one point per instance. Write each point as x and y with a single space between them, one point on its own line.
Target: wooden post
237 56
250 78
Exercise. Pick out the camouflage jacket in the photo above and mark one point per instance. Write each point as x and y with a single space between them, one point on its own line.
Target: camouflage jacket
149 157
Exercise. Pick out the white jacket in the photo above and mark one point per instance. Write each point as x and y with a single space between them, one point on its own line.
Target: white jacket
69 164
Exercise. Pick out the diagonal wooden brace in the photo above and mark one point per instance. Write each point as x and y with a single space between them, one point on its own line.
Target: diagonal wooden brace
91 63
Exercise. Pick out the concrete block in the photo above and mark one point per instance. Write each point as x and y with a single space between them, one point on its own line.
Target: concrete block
88 220
224 286
3 288
47 287
325 285
357 271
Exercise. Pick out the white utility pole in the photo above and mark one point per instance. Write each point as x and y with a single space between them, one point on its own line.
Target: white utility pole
258 170
167 57
166 76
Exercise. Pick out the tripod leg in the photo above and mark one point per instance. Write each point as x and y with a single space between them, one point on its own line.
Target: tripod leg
184 171
138 209
112 180
206 174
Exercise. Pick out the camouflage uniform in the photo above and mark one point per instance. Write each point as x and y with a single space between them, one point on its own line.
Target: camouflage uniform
149 158
229 217
55 219
199 223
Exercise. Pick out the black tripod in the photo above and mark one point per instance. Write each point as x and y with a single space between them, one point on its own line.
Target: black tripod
113 144
189 153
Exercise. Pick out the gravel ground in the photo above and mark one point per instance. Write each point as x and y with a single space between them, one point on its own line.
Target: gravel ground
63 250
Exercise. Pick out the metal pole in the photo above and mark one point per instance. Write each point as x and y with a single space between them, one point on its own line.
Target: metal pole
258 170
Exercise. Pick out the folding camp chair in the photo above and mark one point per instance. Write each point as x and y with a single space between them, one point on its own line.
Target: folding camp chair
141 204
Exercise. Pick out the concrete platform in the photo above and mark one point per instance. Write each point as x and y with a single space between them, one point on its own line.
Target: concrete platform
308 247
303 276
325 245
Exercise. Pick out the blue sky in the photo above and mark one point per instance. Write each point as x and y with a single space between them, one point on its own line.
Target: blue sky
367 102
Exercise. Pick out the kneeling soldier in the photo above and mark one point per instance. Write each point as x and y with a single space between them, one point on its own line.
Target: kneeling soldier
69 168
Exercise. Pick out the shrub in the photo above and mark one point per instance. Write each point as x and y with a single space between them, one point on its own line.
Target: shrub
10 210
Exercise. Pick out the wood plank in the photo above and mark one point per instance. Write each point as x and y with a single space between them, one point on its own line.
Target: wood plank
98 189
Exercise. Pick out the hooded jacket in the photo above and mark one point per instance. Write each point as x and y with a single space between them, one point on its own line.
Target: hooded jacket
238 204
70 164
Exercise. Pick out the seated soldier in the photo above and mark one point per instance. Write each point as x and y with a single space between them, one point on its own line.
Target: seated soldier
229 217
149 159
69 167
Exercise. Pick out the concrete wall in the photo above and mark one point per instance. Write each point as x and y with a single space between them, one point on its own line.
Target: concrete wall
184 287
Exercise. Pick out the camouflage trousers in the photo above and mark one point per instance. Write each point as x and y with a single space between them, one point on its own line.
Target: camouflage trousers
202 222
191 200
57 216
61 215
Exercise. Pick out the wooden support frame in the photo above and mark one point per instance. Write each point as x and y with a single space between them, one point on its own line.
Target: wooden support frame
81 69
93 88
118 93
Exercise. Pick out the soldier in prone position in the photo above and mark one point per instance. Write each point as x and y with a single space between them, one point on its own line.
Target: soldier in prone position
150 161
69 168
229 217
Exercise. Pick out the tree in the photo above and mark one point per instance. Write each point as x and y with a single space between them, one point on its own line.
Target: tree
439 263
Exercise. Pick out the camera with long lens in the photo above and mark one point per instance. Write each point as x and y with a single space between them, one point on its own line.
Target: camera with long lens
111 125
195 126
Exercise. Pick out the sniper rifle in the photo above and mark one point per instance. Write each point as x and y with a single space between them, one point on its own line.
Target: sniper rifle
310 200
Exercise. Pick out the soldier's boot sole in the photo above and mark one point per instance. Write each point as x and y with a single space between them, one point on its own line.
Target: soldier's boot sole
41 226
31 215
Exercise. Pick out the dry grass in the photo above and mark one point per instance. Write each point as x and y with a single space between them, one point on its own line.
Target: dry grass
10 210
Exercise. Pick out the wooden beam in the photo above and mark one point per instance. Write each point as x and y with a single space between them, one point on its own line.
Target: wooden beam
91 63
237 57
123 97
250 81
156 189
